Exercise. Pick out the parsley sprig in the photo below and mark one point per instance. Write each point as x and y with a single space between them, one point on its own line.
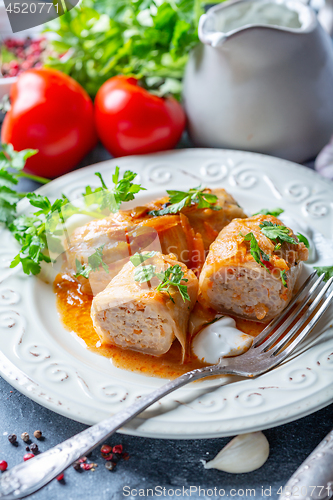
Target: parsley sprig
95 261
180 199
11 169
276 233
327 270
266 211
259 255
280 234
123 190
35 235
172 276
38 233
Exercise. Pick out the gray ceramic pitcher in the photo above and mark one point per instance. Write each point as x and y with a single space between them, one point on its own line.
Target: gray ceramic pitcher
263 86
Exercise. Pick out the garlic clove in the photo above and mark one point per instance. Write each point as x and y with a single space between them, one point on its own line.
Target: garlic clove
244 453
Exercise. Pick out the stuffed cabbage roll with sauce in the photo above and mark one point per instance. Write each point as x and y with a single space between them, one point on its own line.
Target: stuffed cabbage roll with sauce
133 313
186 234
252 268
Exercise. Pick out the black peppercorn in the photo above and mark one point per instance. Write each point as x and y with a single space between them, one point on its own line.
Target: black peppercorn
77 466
110 465
12 438
34 448
27 448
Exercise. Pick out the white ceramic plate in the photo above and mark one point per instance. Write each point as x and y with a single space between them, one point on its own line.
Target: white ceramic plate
42 360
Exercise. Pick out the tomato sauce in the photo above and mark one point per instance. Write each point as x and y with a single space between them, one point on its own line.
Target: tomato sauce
74 309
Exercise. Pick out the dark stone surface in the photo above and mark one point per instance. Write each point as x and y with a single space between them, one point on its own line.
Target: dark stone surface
169 464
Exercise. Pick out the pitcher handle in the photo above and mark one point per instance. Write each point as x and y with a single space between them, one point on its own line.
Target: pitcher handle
206 33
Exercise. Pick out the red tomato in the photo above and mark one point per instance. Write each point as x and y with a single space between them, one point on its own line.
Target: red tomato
130 120
50 112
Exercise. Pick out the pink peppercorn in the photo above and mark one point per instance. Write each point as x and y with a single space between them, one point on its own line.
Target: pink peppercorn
106 449
3 465
27 456
60 477
108 457
118 448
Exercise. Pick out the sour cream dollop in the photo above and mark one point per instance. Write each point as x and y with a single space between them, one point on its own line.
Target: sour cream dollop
220 339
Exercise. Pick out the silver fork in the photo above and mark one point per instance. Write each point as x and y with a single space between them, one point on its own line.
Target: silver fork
268 350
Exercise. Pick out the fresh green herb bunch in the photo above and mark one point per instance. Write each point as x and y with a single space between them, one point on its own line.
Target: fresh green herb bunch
172 276
33 235
38 233
11 170
143 38
181 199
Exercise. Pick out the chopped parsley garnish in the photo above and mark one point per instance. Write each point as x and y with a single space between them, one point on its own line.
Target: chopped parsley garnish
284 278
180 199
142 274
280 234
303 239
123 190
259 255
173 276
327 270
95 261
139 258
276 232
266 211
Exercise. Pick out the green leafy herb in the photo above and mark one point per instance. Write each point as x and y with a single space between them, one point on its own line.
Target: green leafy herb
327 270
173 276
142 274
303 239
11 166
145 38
274 211
33 233
123 190
276 233
259 255
180 199
139 258
284 278
95 261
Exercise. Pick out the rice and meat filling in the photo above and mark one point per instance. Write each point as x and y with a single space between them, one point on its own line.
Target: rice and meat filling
252 268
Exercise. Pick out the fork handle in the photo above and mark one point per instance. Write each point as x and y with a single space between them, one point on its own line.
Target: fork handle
314 478
30 476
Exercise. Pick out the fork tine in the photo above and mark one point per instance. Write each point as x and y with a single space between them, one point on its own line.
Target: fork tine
288 321
305 331
302 291
283 342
